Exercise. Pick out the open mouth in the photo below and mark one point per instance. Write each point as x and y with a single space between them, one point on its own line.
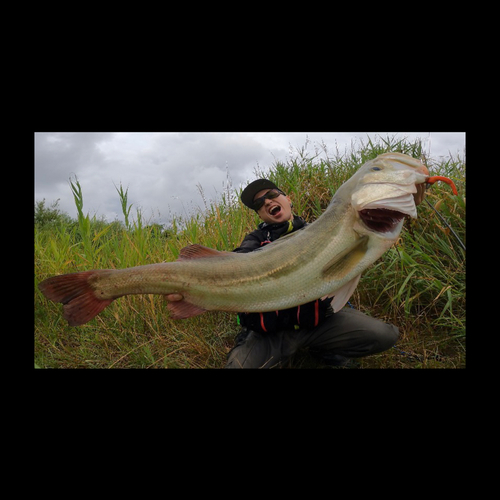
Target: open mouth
381 220
274 211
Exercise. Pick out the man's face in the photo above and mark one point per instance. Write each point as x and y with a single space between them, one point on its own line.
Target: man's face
276 210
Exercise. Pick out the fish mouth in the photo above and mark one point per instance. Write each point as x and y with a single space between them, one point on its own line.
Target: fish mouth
381 220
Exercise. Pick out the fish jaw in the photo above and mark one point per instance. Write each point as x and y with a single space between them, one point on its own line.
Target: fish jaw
387 224
381 208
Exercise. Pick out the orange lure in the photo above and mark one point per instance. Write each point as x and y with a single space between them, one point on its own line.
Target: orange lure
435 178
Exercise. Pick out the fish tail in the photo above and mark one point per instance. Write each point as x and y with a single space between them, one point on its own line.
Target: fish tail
76 292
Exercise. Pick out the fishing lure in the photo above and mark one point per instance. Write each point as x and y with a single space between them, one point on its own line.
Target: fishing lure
435 178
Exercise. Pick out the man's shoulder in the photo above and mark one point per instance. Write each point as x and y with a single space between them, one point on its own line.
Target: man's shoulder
252 241
266 233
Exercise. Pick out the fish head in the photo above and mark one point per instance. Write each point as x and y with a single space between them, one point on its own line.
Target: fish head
382 194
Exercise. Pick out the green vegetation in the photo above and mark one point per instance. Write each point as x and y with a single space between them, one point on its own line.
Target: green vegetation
418 285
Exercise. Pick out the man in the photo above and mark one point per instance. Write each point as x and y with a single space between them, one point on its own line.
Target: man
271 339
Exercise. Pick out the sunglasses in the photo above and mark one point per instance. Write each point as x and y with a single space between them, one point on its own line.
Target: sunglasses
270 195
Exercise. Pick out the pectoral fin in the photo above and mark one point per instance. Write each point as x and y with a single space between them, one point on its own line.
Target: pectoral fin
342 295
344 262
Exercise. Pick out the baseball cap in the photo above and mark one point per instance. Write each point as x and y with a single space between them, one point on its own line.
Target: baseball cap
248 194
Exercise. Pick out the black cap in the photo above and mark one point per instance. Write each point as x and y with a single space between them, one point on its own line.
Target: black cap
253 188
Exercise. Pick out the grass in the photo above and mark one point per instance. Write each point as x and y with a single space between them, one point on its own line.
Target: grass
418 284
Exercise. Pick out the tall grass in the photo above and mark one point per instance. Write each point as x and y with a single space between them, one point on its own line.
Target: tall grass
418 284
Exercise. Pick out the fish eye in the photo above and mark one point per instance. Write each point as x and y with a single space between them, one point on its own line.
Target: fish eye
376 168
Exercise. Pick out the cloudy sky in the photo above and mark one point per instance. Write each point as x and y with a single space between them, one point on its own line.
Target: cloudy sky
163 169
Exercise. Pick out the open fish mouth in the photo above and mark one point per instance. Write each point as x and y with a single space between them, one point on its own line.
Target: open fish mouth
381 220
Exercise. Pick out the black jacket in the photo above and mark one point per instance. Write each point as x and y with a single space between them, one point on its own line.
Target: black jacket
266 233
305 316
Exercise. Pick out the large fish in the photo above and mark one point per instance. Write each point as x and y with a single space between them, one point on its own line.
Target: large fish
325 259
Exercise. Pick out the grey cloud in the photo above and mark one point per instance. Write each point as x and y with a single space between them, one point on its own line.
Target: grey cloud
58 155
162 170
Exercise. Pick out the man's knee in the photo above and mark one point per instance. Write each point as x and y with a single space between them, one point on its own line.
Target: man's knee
366 335
259 350
382 336
250 351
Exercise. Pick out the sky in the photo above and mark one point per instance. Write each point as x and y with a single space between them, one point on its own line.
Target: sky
164 171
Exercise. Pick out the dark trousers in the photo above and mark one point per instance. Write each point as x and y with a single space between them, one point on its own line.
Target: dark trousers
348 333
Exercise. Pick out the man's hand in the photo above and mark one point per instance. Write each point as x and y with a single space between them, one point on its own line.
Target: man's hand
174 297
419 195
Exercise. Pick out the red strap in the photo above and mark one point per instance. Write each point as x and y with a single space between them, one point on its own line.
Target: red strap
316 313
262 322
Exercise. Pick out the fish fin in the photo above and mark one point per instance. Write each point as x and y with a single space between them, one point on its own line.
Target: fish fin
343 262
200 252
343 294
183 309
77 294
